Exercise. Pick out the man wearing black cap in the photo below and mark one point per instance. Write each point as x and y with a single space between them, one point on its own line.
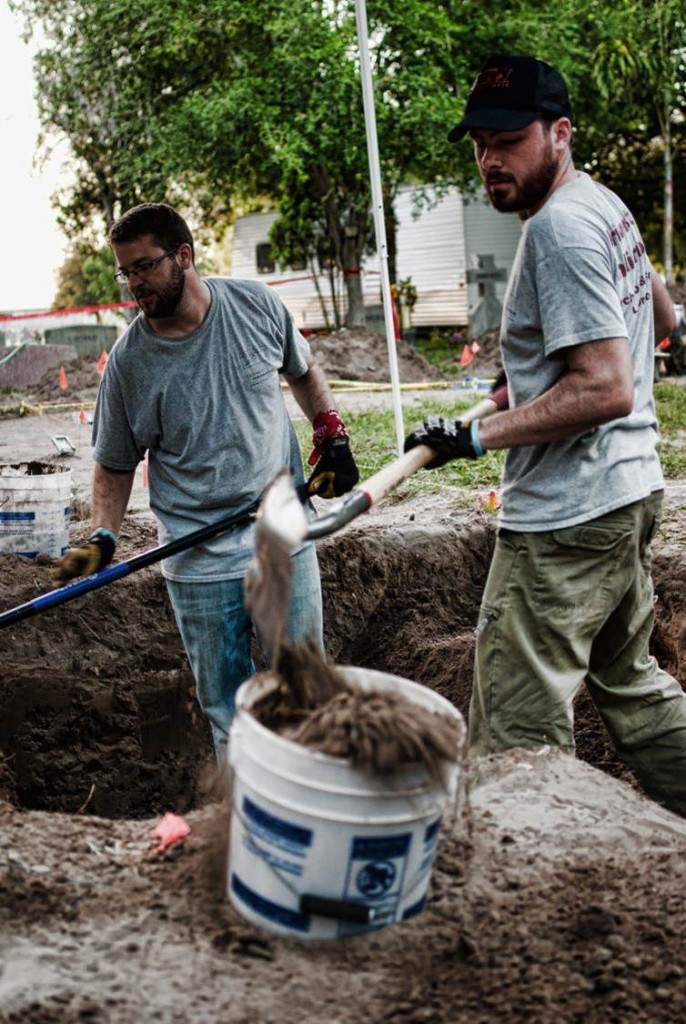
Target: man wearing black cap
569 596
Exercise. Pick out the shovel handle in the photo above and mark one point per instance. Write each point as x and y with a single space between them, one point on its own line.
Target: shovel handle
396 472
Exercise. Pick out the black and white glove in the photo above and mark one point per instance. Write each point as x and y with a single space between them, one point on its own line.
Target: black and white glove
448 438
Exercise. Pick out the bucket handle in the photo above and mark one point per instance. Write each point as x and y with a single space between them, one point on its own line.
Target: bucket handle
340 910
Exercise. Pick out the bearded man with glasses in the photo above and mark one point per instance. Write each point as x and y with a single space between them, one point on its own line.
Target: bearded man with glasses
194 385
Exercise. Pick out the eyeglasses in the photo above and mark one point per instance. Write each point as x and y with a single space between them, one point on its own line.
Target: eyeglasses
143 267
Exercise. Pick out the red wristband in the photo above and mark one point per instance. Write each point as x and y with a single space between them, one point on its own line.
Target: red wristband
325 424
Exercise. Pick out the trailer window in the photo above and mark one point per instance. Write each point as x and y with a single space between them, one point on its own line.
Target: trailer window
263 258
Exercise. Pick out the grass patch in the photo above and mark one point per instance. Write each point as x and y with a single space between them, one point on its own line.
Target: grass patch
442 352
670 400
373 439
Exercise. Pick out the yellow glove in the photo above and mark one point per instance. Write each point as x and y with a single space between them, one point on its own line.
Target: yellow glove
95 554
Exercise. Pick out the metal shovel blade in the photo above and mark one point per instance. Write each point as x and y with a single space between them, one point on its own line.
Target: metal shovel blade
280 528
282 525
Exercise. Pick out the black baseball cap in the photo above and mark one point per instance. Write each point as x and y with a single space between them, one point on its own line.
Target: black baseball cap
512 92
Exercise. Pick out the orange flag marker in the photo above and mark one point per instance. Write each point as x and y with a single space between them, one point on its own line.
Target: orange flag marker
491 502
467 356
82 416
101 362
63 379
171 829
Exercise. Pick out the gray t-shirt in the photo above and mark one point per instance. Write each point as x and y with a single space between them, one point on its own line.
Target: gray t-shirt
209 411
581 274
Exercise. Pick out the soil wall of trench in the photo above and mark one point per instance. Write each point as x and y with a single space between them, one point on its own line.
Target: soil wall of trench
97 707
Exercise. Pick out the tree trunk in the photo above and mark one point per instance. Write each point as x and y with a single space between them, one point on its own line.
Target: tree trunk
668 239
356 315
317 287
391 225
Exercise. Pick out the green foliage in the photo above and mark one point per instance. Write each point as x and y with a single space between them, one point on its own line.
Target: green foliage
406 292
670 401
442 351
86 278
212 103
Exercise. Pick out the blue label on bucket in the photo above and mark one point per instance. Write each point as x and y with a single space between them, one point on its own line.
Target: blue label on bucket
375 876
284 834
278 862
17 517
432 831
430 837
268 909
415 909
377 847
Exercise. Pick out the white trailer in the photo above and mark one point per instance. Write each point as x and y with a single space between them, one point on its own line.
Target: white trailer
436 246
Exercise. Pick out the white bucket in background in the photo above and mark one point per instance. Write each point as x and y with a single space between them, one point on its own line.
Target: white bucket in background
319 849
35 502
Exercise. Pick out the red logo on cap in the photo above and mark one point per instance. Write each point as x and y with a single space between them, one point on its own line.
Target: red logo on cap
493 78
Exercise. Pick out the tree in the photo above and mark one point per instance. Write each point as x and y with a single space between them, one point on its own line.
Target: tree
625 64
645 54
86 278
222 100
212 103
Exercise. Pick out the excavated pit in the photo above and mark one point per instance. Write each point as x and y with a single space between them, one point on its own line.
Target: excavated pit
97 707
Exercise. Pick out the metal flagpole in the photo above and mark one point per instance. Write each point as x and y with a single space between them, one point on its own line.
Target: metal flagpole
377 204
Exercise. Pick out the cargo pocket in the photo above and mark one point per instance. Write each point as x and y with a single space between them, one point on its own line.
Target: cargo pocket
577 567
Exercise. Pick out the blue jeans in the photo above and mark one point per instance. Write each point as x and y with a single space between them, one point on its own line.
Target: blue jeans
216 632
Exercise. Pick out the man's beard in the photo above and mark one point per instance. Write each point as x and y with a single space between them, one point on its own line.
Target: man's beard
163 302
530 192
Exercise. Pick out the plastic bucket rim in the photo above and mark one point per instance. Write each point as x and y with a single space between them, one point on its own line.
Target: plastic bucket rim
317 755
417 790
47 469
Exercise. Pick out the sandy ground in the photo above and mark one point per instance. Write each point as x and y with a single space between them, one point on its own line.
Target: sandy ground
556 896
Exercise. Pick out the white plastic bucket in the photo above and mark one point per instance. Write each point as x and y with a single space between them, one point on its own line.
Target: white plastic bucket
35 508
318 849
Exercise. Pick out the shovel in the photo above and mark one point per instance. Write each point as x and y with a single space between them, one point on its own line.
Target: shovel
115 572
281 526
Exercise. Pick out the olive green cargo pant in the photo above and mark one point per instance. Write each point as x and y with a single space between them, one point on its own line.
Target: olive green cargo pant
570 605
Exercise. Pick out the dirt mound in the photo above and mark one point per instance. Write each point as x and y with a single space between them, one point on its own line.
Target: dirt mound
360 353
349 354
488 360
556 900
82 380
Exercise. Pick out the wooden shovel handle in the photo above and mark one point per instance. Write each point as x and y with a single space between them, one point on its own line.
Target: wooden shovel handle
378 485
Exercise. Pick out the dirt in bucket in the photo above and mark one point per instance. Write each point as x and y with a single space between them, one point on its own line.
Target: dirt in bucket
313 704
31 469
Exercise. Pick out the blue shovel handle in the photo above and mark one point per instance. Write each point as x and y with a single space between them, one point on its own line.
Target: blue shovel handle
115 572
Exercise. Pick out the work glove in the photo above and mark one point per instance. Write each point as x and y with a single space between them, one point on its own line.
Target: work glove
95 554
448 438
335 471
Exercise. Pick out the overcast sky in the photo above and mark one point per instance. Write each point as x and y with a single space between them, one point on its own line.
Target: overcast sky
32 245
